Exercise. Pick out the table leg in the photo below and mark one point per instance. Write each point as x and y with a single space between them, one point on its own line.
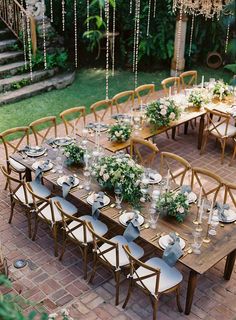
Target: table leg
186 128
229 265
173 133
200 132
192 282
28 176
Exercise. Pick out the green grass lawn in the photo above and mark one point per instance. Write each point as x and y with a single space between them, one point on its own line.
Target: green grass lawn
88 87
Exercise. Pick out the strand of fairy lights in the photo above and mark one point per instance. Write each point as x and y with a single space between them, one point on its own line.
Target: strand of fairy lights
137 45
75 26
107 47
29 46
88 15
100 7
63 14
191 35
44 37
130 6
51 10
113 38
23 35
154 9
179 38
227 37
149 15
135 35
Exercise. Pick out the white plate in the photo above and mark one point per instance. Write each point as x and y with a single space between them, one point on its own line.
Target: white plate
157 178
127 216
165 240
41 162
230 215
35 151
65 178
192 197
93 196
102 127
63 141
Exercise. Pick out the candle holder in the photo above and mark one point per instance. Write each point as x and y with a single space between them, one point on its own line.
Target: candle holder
206 239
199 227
195 221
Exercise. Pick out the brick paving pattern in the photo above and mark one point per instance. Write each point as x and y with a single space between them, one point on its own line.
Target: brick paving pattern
55 285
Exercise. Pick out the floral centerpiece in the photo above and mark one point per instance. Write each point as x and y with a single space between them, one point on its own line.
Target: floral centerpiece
113 170
174 205
197 98
221 90
161 112
119 132
74 154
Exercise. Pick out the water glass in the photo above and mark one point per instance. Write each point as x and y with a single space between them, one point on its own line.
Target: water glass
118 196
153 217
87 180
213 225
197 242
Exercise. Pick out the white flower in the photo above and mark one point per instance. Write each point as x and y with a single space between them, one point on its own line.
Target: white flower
119 160
142 199
132 175
64 312
52 316
181 209
163 112
118 133
172 116
101 172
106 177
67 154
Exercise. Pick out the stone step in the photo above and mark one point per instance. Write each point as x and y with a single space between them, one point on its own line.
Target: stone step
12 68
5 34
22 80
6 44
57 82
10 56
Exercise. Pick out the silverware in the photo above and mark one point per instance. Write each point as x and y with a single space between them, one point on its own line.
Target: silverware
112 205
145 226
158 235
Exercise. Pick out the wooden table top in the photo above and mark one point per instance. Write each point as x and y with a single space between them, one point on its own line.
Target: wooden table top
220 246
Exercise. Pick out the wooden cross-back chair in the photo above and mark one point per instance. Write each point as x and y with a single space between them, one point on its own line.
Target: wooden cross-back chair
39 134
151 278
75 229
111 254
19 194
169 161
208 181
230 192
71 118
218 125
144 92
46 211
188 78
234 153
13 146
101 109
124 101
144 157
171 82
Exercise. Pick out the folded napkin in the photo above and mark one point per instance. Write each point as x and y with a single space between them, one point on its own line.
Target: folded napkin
50 141
67 185
173 251
26 148
39 171
90 125
132 230
221 208
185 189
97 204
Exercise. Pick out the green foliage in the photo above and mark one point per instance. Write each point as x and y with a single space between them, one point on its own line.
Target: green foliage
74 154
19 84
57 59
119 132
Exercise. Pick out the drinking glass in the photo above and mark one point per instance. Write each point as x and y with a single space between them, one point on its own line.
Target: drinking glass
213 225
118 196
206 208
197 242
84 137
153 217
87 180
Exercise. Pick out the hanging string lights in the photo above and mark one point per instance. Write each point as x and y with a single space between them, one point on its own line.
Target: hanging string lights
179 39
227 37
107 47
113 38
135 35
130 6
63 14
44 37
75 26
51 10
87 20
23 35
191 35
149 15
155 8
137 44
29 46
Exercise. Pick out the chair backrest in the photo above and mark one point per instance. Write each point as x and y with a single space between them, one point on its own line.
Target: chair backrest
67 219
39 134
13 146
138 150
71 117
215 119
14 185
124 101
148 272
178 167
110 246
101 108
188 78
173 83
144 92
208 181
230 193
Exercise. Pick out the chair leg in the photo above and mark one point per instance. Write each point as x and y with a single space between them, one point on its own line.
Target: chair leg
29 224
12 210
35 227
130 289
85 262
167 134
178 300
204 144
155 307
223 151
55 239
117 279
234 154
63 245
95 261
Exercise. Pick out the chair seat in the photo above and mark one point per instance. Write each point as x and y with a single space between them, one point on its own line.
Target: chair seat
16 165
99 227
169 277
110 256
231 130
37 188
66 206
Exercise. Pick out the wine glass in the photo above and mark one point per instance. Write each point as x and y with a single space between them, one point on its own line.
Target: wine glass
153 217
118 196
213 225
197 242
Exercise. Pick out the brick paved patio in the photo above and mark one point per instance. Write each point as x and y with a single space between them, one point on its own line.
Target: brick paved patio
56 285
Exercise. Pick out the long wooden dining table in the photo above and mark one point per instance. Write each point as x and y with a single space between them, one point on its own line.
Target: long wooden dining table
222 245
